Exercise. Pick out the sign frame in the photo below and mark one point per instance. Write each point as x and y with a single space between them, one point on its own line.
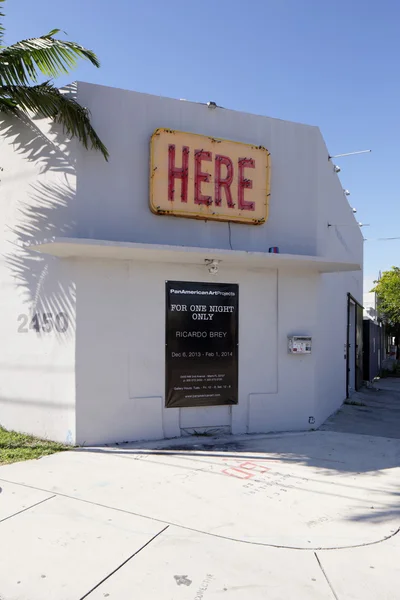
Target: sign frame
205 212
201 370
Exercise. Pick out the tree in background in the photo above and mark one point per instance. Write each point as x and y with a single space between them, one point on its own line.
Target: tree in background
387 289
21 66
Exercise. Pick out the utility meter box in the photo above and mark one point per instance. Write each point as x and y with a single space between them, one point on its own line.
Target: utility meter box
299 344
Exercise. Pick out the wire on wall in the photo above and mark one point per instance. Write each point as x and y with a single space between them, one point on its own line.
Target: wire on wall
230 236
380 239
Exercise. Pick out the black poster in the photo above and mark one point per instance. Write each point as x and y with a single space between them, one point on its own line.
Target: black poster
201 344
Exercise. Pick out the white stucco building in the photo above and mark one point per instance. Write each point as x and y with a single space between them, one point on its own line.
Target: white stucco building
84 262
370 299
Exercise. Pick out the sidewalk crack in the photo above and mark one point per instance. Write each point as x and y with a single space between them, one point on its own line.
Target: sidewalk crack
123 564
326 576
27 508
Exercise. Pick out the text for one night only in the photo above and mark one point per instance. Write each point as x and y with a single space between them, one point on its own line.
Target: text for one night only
202 312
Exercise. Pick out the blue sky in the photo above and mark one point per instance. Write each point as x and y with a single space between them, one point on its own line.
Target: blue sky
331 64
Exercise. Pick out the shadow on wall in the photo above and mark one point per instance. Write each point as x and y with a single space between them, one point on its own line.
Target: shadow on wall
46 210
27 139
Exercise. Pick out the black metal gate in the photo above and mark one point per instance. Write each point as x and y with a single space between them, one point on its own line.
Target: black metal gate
354 360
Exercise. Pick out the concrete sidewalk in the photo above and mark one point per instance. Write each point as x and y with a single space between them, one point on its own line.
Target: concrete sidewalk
307 516
373 411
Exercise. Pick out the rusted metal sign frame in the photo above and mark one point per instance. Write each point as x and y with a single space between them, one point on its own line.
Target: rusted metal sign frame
157 209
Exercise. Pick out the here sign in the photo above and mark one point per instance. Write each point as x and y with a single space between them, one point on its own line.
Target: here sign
202 177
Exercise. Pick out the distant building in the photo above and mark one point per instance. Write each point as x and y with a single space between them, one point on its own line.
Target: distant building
370 303
374 342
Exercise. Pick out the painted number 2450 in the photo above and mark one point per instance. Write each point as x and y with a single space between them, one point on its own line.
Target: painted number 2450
44 322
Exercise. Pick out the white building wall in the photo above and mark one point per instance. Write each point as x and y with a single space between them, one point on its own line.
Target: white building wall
370 306
118 192
293 402
121 352
342 240
37 370
114 365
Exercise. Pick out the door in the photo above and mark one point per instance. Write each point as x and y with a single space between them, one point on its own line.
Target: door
359 346
351 347
354 362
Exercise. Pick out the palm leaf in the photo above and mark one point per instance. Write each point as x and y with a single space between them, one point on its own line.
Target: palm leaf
48 101
8 106
24 60
1 24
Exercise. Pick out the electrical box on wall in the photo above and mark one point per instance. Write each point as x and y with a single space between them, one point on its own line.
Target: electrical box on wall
299 344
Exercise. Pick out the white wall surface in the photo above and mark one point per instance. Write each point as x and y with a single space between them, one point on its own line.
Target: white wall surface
294 401
37 370
123 182
370 306
114 367
37 199
121 352
342 240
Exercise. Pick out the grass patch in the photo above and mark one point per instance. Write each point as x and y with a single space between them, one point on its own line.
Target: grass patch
19 446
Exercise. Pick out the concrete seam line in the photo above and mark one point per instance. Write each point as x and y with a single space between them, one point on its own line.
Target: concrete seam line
27 508
198 456
123 563
326 576
212 440
222 537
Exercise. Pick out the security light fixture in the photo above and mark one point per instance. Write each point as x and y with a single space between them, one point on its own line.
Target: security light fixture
336 169
212 104
212 265
346 192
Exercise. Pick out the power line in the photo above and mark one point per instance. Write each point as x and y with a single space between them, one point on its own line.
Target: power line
349 153
381 239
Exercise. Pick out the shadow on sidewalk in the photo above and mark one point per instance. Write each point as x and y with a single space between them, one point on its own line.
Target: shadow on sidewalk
363 437
373 411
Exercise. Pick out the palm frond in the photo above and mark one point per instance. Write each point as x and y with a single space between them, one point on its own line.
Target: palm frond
46 100
8 106
51 57
1 24
23 62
